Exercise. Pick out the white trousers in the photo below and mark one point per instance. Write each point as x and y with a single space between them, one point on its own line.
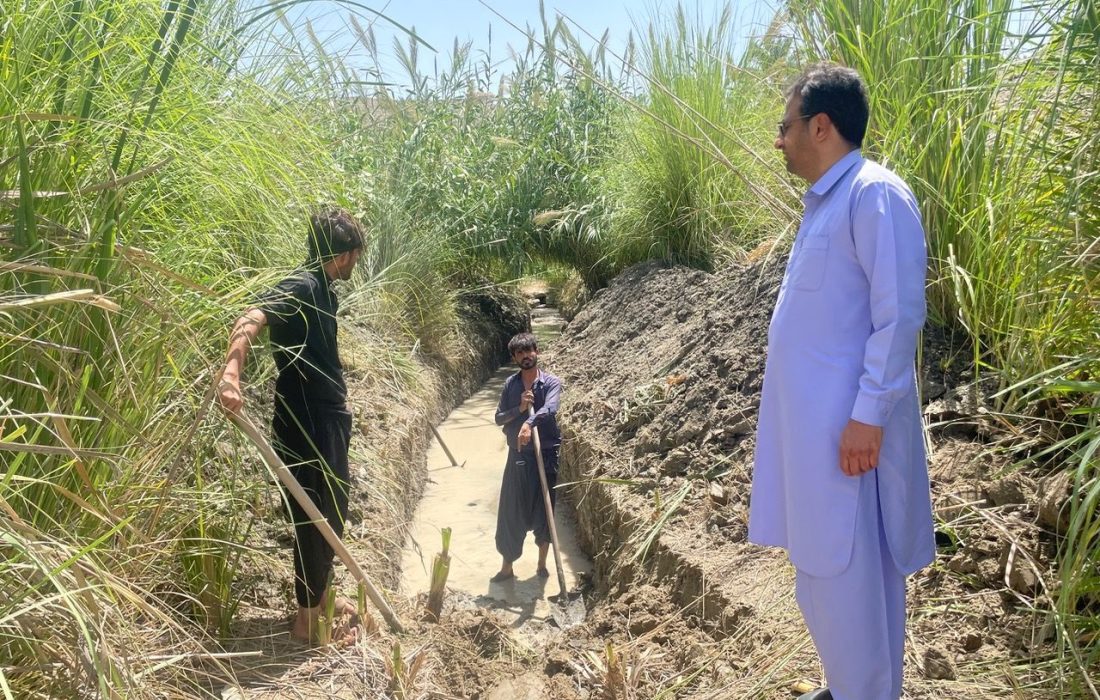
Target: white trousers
857 618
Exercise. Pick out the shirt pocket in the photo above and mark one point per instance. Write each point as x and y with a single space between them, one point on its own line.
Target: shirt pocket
808 270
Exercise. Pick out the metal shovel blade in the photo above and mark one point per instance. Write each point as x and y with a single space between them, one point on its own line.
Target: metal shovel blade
567 609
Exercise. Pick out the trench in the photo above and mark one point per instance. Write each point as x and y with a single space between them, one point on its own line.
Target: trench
701 614
465 498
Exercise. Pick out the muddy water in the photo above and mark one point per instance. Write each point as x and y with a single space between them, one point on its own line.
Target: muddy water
464 498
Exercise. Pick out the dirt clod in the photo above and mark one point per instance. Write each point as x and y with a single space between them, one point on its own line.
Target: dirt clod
1054 492
938 666
1009 490
971 642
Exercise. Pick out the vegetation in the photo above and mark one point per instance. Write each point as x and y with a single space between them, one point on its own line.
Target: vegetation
692 179
156 167
142 205
983 109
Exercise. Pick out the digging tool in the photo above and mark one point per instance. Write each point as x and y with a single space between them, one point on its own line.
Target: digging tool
283 473
454 462
567 610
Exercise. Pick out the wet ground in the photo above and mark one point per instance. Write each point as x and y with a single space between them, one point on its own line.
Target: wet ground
464 498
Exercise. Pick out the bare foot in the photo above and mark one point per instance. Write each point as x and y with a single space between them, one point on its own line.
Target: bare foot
300 631
345 607
344 630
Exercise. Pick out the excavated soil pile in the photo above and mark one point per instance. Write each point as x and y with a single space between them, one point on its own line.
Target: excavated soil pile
663 371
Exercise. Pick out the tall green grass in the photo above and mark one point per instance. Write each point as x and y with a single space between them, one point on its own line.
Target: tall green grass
482 176
692 178
565 162
152 184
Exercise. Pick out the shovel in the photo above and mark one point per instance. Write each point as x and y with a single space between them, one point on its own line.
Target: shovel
568 610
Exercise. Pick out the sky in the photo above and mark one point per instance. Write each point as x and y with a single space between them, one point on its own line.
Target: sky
440 22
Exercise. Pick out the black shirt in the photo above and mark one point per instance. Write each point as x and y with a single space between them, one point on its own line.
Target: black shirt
301 313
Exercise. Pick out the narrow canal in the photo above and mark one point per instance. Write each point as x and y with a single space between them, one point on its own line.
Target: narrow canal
464 498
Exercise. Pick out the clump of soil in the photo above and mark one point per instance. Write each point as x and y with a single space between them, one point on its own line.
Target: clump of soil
663 371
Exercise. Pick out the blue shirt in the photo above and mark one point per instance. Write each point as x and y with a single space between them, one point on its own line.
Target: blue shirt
547 390
841 345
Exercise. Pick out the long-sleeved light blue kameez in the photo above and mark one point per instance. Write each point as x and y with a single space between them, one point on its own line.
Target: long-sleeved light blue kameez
841 346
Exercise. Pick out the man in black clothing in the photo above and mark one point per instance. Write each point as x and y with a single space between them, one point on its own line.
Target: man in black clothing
311 425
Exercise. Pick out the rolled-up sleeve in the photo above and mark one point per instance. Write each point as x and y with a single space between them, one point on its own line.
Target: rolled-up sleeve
890 246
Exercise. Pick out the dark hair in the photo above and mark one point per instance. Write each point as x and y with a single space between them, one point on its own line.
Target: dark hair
837 92
333 231
522 342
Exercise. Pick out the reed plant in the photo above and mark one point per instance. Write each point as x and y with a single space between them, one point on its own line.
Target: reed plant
487 175
686 177
152 183
1078 599
441 566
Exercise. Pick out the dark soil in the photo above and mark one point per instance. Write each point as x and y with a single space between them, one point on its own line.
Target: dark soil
663 371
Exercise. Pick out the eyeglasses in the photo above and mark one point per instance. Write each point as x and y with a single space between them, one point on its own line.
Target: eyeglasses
784 125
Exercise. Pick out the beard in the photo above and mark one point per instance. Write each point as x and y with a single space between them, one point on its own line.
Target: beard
528 362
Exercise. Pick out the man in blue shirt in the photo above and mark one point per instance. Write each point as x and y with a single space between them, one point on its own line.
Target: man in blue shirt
521 507
841 480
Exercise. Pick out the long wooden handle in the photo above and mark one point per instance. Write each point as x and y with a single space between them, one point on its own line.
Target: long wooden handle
439 439
549 506
281 471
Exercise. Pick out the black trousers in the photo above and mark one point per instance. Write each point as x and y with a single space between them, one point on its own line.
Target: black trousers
521 508
314 445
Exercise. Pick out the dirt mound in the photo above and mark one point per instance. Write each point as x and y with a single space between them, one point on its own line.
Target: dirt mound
663 371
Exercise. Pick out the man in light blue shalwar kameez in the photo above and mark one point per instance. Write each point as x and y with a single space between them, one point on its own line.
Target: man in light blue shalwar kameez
841 480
